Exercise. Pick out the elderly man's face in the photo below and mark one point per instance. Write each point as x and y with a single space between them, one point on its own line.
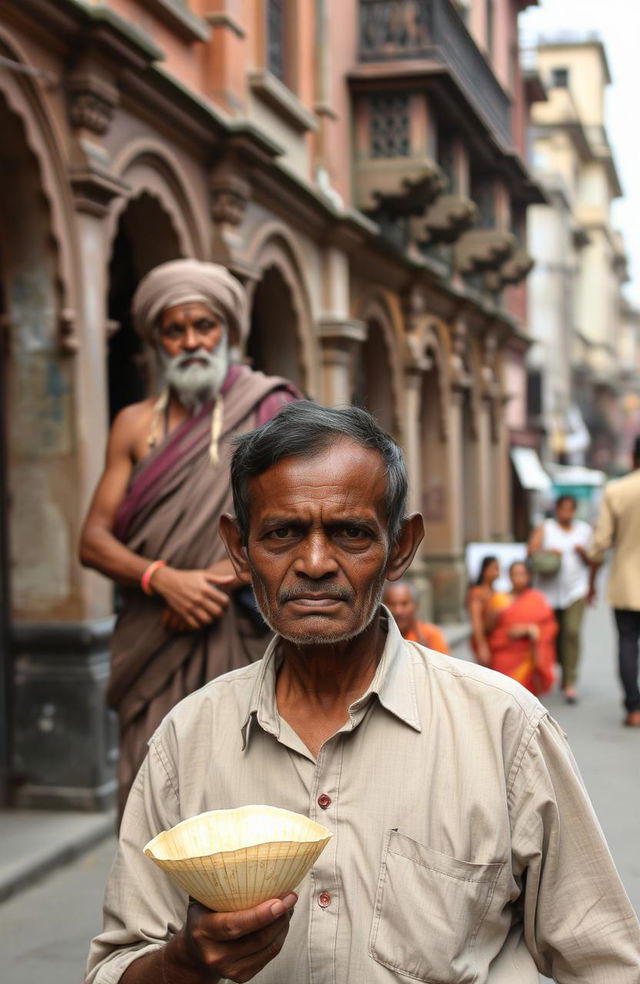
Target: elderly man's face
318 543
193 351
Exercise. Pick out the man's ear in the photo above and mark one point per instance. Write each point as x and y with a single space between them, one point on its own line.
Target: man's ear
411 534
233 542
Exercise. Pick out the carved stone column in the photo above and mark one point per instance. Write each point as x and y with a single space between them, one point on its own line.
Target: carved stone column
340 339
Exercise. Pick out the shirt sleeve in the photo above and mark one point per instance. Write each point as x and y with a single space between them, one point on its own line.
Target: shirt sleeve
579 925
604 533
142 907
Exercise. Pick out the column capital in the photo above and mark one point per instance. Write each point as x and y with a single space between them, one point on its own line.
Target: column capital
333 328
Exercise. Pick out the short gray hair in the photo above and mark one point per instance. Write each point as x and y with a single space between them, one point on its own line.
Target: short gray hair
303 429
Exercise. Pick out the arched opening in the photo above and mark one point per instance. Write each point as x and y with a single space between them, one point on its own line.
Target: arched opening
372 382
35 407
145 237
273 345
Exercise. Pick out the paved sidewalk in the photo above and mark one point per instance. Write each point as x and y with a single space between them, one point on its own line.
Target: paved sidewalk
33 842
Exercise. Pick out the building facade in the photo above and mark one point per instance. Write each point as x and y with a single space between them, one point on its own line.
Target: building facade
577 310
359 166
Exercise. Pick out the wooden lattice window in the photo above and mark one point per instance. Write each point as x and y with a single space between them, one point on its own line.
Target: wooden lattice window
389 126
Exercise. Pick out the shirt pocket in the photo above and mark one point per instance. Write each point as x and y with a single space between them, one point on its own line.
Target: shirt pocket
428 912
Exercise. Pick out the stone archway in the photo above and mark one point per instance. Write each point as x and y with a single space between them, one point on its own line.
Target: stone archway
372 389
39 381
273 342
377 375
145 236
281 336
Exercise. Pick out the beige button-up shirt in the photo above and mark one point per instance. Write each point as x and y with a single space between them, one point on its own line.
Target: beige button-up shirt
618 526
465 849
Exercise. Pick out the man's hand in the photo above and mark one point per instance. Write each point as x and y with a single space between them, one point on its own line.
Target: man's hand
231 945
196 598
592 595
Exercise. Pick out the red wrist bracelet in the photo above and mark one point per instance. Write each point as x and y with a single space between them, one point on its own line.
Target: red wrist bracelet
145 580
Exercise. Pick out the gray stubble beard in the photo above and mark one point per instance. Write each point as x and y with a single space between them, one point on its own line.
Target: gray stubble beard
315 639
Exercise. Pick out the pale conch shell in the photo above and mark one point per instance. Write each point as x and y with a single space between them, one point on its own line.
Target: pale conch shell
234 859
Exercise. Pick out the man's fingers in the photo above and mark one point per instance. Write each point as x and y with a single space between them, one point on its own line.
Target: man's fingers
236 924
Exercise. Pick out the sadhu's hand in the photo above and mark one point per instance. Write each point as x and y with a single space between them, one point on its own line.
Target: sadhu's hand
198 598
232 945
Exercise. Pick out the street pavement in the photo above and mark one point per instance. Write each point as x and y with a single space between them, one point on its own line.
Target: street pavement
45 929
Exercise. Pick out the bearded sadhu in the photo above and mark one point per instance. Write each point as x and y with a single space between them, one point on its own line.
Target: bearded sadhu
153 524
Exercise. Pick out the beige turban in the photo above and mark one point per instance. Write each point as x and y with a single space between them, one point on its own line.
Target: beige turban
189 281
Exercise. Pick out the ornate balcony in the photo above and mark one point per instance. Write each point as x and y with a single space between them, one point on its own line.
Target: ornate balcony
432 36
398 185
517 267
484 249
446 220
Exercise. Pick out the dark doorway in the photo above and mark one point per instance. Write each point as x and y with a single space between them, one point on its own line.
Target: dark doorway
273 345
145 237
372 382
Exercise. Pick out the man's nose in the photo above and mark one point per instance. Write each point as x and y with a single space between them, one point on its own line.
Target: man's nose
191 339
315 557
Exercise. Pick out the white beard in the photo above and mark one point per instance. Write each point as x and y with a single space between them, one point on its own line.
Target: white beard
194 385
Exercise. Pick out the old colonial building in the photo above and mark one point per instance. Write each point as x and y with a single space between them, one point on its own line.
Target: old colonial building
359 166
579 377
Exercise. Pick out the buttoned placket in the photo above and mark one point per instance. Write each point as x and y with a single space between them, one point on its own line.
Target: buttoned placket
325 899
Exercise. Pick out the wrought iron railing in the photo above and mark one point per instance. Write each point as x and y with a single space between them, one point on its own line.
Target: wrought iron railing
434 30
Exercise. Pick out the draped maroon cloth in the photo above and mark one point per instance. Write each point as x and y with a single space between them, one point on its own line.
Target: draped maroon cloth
171 511
530 662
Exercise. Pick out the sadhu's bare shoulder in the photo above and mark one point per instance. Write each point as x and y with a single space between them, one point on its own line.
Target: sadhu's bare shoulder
131 428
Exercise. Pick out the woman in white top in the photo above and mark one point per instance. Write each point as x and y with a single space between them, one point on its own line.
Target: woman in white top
567 590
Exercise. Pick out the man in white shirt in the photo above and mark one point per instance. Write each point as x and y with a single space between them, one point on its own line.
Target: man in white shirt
567 590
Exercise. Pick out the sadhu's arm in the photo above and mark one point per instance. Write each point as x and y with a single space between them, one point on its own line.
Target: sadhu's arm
100 549
195 598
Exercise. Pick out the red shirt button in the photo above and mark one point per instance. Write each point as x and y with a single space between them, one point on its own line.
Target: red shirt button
324 801
324 899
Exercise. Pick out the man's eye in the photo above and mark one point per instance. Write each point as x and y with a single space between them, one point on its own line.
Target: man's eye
282 532
353 532
172 332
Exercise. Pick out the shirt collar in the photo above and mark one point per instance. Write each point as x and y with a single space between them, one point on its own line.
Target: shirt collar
393 684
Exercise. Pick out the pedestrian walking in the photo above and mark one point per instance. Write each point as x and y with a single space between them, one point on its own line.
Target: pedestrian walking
152 527
464 845
562 544
618 527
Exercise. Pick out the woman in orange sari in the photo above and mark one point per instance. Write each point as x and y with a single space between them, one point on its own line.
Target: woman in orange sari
521 631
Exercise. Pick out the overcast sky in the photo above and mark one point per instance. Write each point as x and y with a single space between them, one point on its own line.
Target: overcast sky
617 22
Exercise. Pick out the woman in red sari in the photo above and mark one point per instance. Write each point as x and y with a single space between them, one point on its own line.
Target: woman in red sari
521 631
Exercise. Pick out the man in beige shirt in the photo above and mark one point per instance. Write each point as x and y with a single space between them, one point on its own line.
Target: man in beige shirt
464 848
618 526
